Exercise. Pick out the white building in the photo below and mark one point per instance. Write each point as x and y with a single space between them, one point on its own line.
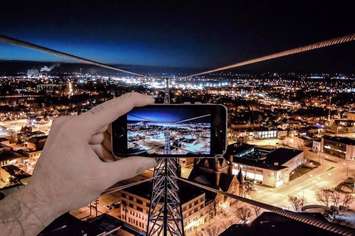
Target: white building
267 168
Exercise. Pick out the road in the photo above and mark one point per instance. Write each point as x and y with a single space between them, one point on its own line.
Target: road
328 175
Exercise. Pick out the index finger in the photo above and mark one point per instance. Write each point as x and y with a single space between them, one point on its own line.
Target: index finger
109 111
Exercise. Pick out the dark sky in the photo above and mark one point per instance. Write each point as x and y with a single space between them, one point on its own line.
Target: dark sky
183 33
169 114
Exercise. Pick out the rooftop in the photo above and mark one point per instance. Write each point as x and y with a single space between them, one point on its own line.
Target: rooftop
187 191
199 175
16 172
105 223
253 156
7 154
282 155
269 223
346 140
69 225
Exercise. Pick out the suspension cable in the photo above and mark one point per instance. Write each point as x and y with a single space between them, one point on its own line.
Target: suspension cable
25 44
310 47
122 187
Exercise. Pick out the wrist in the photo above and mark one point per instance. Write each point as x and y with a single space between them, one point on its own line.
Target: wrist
41 207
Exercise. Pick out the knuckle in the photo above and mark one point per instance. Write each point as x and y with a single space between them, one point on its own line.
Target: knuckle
131 95
67 123
59 121
97 108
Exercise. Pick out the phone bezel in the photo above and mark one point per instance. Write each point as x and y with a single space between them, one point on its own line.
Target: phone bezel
218 133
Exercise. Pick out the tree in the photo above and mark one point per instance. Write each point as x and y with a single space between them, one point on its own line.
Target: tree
347 200
247 187
257 210
213 230
296 202
244 213
324 196
335 197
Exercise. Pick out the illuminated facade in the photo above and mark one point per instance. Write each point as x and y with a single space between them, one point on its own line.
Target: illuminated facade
8 156
267 168
266 134
196 209
341 147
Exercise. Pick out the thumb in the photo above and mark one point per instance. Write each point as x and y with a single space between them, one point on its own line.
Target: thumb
109 111
127 168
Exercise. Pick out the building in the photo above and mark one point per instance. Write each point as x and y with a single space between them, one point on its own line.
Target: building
3 132
270 168
341 147
215 173
263 134
186 162
269 223
8 156
11 176
49 88
103 225
259 133
317 145
341 126
195 207
350 115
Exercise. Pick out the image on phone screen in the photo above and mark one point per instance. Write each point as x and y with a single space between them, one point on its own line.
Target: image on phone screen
172 131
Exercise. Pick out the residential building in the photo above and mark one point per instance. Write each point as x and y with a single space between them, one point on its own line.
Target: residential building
135 203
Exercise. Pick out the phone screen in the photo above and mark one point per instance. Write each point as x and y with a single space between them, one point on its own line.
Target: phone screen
173 130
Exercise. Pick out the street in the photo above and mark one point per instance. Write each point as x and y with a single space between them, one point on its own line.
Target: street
328 175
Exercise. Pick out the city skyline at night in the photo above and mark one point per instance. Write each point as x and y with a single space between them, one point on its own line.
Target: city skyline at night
284 72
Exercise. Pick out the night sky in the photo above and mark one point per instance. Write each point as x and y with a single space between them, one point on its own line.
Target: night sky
193 34
169 114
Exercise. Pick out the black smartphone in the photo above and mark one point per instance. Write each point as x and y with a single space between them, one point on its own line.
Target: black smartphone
181 130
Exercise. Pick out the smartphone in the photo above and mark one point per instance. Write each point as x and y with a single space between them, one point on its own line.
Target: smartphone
181 130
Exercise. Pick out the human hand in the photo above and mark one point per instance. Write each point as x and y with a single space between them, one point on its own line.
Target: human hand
71 172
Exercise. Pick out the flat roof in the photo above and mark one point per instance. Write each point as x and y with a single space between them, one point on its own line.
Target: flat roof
8 155
69 225
253 156
269 223
282 155
345 140
15 171
105 222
